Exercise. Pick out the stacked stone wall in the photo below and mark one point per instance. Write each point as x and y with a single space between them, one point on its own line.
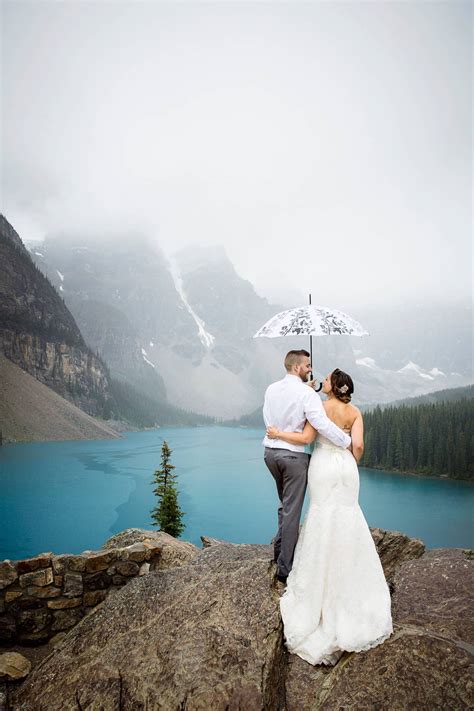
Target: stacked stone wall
42 597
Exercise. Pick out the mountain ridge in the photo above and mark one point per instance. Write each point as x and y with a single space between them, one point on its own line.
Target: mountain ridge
38 332
195 324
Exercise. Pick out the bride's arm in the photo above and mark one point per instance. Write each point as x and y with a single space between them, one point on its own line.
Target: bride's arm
306 437
357 436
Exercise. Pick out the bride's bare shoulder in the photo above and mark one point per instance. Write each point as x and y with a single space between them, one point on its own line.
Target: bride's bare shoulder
354 411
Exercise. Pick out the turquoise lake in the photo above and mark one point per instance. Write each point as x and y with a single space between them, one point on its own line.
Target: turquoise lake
67 497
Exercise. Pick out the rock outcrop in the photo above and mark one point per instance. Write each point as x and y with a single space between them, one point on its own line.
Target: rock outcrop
394 548
203 636
426 662
38 332
208 636
436 593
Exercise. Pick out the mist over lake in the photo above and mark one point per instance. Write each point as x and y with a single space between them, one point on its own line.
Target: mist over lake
72 496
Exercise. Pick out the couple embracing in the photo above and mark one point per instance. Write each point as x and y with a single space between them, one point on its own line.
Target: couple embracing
336 597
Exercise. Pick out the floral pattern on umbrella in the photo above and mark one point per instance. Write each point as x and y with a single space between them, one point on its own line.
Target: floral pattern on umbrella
311 321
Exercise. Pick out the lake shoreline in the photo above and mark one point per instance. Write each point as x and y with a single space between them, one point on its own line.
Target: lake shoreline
417 475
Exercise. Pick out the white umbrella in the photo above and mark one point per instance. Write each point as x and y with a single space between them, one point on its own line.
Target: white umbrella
311 321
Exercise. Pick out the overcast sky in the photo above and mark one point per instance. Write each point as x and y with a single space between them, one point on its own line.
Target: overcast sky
326 145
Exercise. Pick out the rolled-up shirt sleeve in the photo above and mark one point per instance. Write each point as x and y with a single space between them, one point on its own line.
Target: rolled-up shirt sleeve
316 415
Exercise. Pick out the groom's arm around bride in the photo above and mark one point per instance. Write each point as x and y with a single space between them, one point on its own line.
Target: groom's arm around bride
288 404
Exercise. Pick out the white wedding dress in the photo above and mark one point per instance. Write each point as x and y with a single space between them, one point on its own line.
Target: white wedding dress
336 597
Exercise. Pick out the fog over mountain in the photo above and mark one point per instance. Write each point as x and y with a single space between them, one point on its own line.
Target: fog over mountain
183 328
326 146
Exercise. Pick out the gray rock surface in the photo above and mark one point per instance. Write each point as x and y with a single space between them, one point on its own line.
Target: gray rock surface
394 548
202 636
427 664
436 592
39 333
412 670
207 636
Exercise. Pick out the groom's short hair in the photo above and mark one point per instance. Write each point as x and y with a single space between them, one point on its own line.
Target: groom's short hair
294 358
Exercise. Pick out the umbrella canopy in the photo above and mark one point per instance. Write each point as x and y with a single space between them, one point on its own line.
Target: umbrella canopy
311 321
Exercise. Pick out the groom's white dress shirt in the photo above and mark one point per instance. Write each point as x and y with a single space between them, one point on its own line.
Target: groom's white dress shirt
288 404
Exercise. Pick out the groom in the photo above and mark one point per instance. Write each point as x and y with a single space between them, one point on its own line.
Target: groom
288 404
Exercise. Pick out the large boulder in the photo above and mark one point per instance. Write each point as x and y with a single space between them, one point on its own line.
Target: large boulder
426 664
203 636
412 670
208 635
394 548
174 552
436 593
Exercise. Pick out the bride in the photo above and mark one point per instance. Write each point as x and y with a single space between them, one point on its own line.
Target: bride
336 598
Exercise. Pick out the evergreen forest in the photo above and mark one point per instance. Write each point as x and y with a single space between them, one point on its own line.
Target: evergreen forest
434 439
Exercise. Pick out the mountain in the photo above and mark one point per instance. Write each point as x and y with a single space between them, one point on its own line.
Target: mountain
143 315
39 334
30 411
376 385
450 395
122 298
437 337
181 329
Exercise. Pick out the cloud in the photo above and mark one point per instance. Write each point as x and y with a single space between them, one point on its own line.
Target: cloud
328 143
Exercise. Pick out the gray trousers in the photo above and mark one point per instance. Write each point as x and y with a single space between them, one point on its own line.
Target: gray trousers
290 471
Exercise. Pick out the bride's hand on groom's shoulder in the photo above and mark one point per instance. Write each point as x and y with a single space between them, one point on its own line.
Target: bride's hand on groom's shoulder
272 432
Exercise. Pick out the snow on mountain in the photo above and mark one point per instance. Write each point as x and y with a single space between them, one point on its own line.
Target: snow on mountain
411 366
61 276
435 372
206 338
144 354
366 362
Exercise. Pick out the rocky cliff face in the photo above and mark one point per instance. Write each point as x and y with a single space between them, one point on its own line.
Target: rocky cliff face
32 412
208 635
123 298
38 332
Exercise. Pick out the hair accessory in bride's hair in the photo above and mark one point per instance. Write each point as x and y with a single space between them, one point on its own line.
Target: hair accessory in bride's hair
343 389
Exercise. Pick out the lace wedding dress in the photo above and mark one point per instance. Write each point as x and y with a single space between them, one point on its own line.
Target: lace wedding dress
336 597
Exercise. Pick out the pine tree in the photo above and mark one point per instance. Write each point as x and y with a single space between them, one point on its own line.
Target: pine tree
167 513
170 513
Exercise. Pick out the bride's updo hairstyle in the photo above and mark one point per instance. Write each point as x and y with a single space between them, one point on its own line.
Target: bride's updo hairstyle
341 385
